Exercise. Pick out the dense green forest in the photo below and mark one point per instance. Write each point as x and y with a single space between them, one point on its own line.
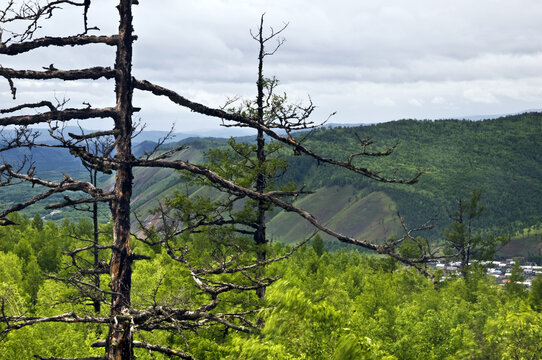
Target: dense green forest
326 305
341 304
502 157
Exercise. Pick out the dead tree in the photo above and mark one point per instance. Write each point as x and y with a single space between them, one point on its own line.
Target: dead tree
84 268
267 109
120 338
124 320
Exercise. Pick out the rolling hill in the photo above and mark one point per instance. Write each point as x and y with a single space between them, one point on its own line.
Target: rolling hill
501 156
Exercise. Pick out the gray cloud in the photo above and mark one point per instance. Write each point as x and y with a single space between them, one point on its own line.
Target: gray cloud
369 60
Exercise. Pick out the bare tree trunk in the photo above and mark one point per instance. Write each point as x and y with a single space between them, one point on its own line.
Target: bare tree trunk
119 340
96 241
259 235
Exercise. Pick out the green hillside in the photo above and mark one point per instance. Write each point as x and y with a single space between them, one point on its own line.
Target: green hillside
152 185
502 156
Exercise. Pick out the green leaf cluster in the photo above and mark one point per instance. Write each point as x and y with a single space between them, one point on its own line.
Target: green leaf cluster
327 305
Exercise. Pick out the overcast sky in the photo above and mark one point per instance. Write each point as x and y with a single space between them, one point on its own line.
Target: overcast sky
371 61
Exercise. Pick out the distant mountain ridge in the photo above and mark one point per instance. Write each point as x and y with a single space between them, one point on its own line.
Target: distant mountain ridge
227 132
502 156
495 116
147 135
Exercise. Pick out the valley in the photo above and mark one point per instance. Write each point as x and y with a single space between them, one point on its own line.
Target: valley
502 156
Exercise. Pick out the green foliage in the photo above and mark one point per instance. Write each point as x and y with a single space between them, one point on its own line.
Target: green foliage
32 279
238 162
50 340
318 245
350 306
535 293
24 290
413 248
352 347
11 285
461 239
514 286
37 222
262 349
327 306
515 334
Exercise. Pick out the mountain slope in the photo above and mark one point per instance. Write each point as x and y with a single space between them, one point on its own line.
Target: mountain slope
502 156
371 217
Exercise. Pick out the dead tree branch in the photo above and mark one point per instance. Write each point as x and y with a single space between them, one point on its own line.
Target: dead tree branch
62 115
253 123
23 47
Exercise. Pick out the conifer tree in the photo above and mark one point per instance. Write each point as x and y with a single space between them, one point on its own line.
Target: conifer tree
463 242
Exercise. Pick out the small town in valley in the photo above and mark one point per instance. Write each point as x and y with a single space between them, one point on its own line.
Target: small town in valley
500 270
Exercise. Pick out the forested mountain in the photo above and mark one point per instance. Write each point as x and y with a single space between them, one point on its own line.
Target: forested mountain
503 157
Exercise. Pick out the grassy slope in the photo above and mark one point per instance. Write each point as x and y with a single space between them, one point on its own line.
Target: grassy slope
370 217
151 186
502 156
525 245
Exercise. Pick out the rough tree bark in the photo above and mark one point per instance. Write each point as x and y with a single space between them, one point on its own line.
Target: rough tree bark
119 339
260 232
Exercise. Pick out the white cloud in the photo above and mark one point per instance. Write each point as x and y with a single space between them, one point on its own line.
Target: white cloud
368 60
415 102
480 96
385 102
438 100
